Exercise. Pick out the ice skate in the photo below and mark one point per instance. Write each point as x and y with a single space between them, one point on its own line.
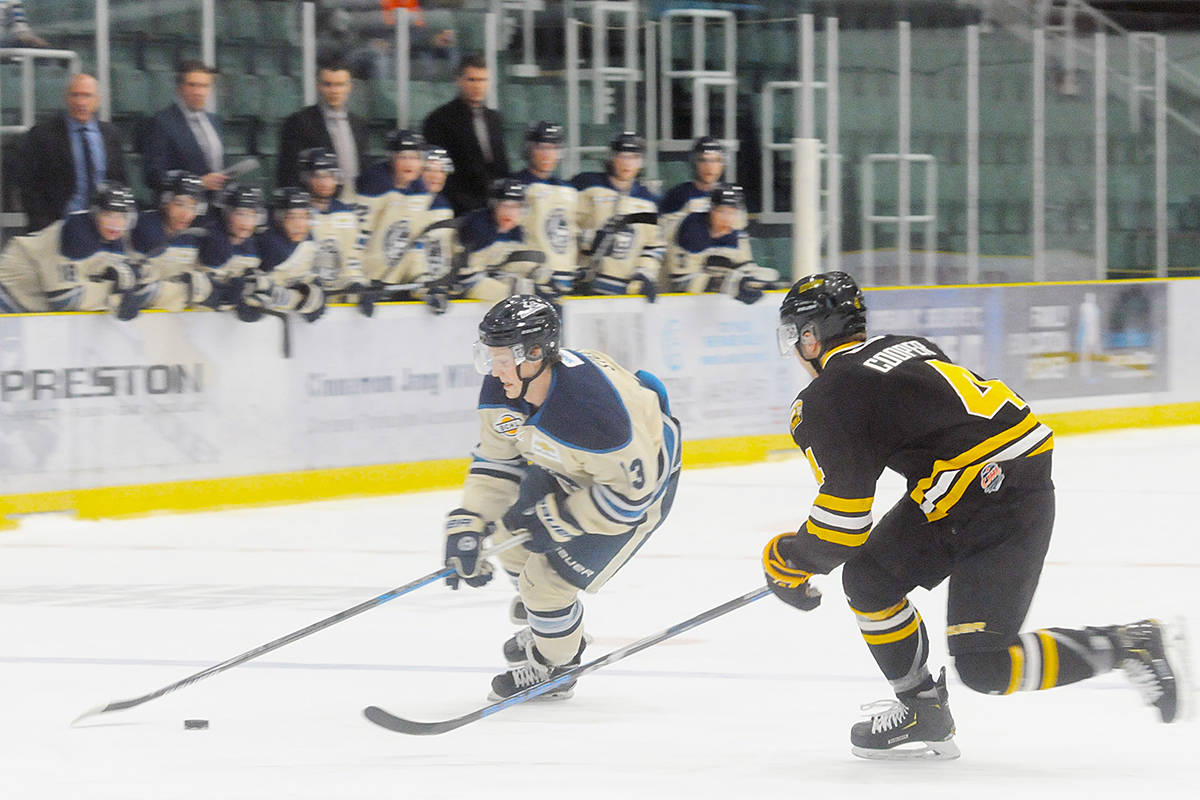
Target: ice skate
517 614
532 671
516 649
1153 657
917 725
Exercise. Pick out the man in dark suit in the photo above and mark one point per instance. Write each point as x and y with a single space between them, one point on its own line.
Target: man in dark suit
472 135
64 158
327 125
184 135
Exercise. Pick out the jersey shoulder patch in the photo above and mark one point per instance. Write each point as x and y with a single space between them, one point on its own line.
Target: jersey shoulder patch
79 238
584 409
693 235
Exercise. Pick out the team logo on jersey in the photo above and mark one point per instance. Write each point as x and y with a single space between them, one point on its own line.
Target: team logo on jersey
545 448
558 234
435 259
507 425
327 263
797 415
990 478
622 244
395 242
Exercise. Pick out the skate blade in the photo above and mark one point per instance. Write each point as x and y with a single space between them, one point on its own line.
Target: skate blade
1175 639
562 694
929 751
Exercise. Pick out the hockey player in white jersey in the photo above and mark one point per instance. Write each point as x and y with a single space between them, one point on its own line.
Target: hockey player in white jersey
230 248
167 245
711 254
285 280
335 229
620 244
77 264
574 450
551 203
707 158
495 259
395 208
438 166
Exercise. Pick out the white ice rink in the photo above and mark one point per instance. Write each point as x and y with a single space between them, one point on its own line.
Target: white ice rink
756 704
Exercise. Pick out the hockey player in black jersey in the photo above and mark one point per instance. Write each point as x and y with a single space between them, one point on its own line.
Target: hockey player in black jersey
578 452
979 510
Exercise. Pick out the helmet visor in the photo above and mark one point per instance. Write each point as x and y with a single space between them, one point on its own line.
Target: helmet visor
787 335
488 356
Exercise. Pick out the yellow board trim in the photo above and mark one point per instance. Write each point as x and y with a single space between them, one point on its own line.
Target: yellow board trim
894 636
1018 668
844 505
419 476
1049 660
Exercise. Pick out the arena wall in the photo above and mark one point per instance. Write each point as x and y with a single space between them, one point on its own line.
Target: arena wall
196 410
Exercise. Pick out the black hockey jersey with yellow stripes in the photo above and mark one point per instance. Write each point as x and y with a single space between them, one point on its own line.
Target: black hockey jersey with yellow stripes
899 402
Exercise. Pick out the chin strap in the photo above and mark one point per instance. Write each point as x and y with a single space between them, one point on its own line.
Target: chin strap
526 381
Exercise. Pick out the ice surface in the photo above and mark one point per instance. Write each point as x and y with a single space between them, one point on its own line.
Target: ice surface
755 704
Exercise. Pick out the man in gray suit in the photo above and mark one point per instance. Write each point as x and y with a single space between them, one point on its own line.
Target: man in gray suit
186 136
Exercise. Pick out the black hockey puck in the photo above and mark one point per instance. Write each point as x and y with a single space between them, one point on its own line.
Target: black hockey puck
195 724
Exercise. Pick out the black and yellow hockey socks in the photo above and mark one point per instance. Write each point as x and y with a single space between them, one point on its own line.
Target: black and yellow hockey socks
897 639
1040 659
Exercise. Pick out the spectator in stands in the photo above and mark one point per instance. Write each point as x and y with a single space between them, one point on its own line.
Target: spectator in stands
328 125
64 158
185 136
472 135
14 27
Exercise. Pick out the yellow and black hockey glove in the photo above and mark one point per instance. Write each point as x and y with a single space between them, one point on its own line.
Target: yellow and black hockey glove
786 581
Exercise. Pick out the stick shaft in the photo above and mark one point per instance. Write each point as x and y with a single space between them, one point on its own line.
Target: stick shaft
402 725
425 580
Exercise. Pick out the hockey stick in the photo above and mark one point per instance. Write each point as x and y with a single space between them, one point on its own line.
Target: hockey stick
401 725
433 577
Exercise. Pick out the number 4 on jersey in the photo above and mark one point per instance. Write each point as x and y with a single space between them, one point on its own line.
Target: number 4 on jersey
981 398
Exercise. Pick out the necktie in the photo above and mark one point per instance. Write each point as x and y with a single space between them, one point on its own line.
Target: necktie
481 133
207 139
343 144
89 166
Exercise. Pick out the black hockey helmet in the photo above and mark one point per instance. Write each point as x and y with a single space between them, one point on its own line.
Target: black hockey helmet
543 132
113 196
503 189
239 195
316 159
437 156
705 145
829 305
521 323
181 182
627 142
287 198
727 194
403 139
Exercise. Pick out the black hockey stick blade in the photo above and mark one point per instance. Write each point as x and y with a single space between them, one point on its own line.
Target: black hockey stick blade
392 722
433 577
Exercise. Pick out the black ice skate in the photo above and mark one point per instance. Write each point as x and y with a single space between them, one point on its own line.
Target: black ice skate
532 671
915 718
516 649
1153 658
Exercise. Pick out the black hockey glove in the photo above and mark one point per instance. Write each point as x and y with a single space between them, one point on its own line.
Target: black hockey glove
465 532
785 580
749 290
122 274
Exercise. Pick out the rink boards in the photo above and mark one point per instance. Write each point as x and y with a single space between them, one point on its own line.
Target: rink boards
199 410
